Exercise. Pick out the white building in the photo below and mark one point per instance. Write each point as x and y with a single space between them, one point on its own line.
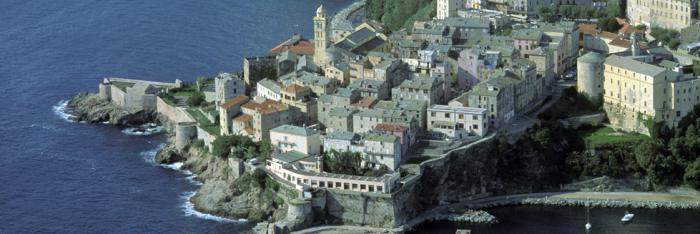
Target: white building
457 122
447 8
293 138
376 149
269 89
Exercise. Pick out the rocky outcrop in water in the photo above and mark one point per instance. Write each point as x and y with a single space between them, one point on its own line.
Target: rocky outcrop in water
169 155
91 108
250 195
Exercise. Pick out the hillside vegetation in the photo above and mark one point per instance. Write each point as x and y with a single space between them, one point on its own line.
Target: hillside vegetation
397 14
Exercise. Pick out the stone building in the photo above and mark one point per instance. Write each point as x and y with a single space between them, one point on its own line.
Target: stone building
343 97
133 94
496 95
322 39
228 86
287 138
457 122
228 110
303 108
258 117
340 119
252 67
672 14
378 89
637 93
590 75
429 89
318 84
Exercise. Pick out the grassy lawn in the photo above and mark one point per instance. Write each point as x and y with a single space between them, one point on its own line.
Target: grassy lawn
122 85
609 135
203 122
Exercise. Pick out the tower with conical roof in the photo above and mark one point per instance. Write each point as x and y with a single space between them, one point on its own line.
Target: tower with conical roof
320 37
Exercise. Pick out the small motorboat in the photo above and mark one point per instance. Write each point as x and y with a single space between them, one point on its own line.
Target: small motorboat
628 216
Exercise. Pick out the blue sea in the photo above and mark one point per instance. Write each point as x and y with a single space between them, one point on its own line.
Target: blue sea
57 176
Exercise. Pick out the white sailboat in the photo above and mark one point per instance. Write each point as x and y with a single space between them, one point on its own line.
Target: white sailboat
588 219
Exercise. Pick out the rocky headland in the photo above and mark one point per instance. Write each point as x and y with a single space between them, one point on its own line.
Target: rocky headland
248 195
89 107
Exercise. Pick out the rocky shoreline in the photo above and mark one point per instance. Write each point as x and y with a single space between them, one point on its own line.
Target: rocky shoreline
473 217
616 203
89 107
220 193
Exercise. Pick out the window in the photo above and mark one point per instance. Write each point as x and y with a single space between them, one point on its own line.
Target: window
447 115
461 116
432 114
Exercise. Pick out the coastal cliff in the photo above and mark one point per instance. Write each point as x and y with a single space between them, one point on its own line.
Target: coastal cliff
91 108
227 191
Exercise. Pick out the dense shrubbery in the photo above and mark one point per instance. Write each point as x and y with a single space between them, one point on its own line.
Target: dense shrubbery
349 163
668 158
539 157
396 14
571 103
238 146
197 99
668 37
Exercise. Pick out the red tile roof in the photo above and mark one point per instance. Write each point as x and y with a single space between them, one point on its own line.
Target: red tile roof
620 42
266 107
296 44
628 28
588 28
234 102
294 88
365 102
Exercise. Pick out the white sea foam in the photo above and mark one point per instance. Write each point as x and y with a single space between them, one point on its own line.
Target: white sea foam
175 166
150 155
189 210
61 110
143 130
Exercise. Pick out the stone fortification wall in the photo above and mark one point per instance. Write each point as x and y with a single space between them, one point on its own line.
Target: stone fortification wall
590 80
207 137
624 120
183 133
117 96
172 113
357 208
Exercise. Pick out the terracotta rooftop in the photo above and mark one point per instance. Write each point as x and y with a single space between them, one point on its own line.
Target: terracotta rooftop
294 88
588 28
250 131
234 102
243 118
266 107
620 42
365 102
297 44
391 127
628 28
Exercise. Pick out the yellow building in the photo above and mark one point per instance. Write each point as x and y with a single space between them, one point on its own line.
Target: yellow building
674 14
637 94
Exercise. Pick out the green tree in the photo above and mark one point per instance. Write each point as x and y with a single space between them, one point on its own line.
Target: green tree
197 99
692 174
265 149
221 147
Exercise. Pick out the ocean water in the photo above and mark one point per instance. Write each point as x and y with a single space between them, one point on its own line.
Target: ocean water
57 176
